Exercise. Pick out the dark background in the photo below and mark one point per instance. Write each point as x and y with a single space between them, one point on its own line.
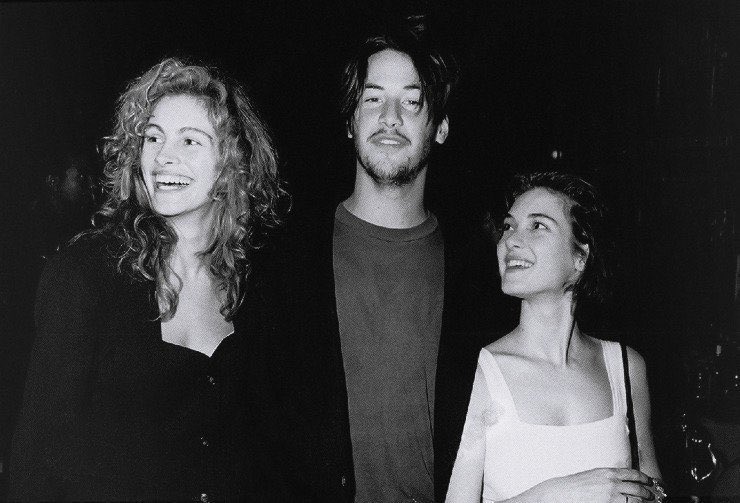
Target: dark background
642 98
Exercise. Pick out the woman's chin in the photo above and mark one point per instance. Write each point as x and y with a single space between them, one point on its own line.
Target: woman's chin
513 291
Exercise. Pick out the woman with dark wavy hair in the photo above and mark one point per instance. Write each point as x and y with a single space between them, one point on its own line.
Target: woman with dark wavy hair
147 380
551 411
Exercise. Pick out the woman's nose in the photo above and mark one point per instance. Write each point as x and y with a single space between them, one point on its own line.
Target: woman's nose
167 154
513 239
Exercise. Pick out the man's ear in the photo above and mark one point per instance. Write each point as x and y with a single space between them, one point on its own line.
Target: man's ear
442 131
350 133
581 257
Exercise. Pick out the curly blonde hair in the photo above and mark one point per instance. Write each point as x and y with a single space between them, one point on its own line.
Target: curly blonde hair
246 195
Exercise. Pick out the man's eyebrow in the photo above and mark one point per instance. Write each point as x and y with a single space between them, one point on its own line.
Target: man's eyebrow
370 85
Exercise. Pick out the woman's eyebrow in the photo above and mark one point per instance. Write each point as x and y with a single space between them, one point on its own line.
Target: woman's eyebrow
543 215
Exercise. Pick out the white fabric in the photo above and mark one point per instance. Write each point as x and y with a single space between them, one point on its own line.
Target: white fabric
500 456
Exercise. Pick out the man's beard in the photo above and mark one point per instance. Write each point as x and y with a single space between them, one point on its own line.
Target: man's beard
399 175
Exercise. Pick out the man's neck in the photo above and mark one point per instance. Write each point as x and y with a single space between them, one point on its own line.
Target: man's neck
391 206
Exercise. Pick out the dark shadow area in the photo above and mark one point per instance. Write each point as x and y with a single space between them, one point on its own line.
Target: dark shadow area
641 98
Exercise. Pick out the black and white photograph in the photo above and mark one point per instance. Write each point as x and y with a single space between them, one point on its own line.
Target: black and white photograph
370 251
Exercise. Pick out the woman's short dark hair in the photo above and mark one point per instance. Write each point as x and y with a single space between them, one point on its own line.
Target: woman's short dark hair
437 72
587 215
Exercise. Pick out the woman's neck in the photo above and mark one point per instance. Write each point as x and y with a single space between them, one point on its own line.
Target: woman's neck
186 260
549 329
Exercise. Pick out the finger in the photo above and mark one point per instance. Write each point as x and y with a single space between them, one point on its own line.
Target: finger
633 499
635 490
627 474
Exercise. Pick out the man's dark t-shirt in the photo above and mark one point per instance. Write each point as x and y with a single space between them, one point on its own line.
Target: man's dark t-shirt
389 289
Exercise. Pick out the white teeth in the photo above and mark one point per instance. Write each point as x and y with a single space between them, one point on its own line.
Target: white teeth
518 263
390 142
168 179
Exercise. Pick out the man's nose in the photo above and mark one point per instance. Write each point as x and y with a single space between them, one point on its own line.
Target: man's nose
390 115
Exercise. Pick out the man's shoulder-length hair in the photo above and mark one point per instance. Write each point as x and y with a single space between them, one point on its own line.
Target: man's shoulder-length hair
438 72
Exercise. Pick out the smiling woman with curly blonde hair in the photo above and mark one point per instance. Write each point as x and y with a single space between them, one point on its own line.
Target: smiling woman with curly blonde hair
144 381
244 194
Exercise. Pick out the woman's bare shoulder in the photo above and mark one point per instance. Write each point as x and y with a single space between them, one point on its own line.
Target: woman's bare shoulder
635 359
504 345
637 369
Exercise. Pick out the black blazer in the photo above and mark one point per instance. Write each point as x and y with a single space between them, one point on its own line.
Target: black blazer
111 412
312 382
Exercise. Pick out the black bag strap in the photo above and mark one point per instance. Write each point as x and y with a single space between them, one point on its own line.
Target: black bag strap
630 411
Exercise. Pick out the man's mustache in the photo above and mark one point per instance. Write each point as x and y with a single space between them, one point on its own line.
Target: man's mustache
389 132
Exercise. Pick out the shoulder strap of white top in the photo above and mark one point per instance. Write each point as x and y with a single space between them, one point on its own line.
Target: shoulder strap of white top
497 387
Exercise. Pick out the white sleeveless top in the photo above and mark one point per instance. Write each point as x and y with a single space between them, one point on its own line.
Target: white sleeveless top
506 456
